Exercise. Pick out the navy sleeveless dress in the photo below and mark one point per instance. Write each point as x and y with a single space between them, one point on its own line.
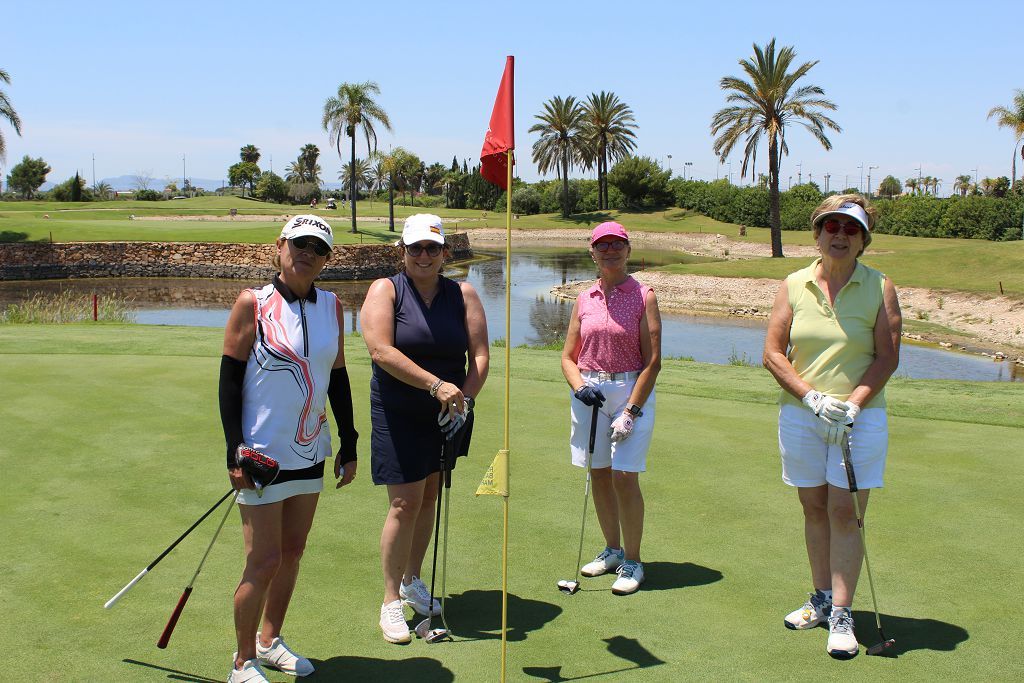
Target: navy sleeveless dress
405 444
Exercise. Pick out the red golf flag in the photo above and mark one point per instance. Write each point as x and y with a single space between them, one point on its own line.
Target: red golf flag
500 136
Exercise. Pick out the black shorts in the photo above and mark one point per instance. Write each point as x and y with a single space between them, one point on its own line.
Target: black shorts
406 446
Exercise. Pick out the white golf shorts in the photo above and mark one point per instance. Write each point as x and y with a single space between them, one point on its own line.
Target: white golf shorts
628 455
808 461
275 493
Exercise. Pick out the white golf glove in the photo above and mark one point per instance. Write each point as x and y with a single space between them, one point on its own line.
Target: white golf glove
824 406
838 429
622 427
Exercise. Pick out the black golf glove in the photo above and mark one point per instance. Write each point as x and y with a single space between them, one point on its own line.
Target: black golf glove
589 396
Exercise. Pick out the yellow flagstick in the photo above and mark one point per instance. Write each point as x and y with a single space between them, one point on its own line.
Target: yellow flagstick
508 381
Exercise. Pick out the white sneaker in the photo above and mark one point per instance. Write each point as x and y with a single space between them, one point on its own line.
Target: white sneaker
393 623
607 560
814 612
631 575
842 643
249 673
417 596
279 656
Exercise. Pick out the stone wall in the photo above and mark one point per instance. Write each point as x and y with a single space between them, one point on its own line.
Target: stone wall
45 261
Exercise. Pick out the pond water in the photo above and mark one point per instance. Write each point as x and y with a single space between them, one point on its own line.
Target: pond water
537 316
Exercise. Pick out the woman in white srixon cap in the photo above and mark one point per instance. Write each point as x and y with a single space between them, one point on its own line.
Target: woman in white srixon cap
611 360
832 343
284 357
427 337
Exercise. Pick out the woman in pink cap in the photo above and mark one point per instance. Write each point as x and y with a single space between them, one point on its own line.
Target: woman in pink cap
832 343
611 361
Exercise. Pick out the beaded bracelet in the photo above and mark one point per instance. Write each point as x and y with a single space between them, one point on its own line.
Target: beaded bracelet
434 387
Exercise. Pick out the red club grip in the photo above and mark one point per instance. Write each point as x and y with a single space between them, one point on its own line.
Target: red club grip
165 637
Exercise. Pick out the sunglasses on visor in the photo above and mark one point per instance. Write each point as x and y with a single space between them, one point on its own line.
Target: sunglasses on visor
319 247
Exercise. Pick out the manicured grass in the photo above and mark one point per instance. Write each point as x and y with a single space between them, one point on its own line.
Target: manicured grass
113 447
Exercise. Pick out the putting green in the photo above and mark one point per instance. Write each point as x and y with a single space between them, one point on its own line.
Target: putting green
112 447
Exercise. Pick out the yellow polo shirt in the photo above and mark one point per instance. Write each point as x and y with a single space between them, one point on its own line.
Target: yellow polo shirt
832 346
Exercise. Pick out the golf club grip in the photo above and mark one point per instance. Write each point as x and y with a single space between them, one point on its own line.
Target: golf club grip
165 637
593 429
113 601
851 478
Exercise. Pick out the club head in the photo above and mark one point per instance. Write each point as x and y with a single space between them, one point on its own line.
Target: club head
568 587
437 635
882 647
422 629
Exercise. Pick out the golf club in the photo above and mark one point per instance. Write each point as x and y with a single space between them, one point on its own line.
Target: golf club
112 601
165 637
423 629
571 587
444 546
851 478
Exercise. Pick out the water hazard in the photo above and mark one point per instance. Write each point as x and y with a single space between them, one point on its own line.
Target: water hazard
537 316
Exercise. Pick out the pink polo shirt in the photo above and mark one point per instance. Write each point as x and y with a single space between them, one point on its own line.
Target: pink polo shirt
611 329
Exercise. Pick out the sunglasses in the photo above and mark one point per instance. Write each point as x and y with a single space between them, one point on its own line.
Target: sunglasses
303 242
849 228
432 249
614 245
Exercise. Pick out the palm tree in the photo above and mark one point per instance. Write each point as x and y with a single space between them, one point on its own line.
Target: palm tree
7 112
249 154
1011 117
562 142
765 105
935 182
102 190
962 185
911 185
364 175
354 108
308 155
608 128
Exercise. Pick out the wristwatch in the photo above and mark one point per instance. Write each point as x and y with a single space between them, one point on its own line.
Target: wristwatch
634 410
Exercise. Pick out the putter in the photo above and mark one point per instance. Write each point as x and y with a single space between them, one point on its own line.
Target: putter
851 478
444 546
112 601
571 587
423 629
165 637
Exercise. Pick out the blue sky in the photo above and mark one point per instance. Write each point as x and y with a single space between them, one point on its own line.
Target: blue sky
140 85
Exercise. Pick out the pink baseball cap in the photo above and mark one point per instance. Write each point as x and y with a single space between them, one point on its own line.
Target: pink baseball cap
608 228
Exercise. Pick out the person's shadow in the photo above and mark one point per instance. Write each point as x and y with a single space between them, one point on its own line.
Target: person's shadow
628 649
661 576
350 668
476 615
909 633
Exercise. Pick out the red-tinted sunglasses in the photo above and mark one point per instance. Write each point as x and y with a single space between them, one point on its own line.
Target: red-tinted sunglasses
849 228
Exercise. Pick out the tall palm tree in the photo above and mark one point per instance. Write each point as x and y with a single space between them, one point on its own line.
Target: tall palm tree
7 112
308 155
351 109
1011 117
962 185
935 182
608 128
911 185
249 154
765 106
562 142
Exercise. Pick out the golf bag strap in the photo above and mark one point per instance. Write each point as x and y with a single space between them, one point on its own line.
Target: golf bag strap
232 373
339 391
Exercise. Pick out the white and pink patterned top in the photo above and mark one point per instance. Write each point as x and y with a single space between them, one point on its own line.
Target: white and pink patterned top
610 329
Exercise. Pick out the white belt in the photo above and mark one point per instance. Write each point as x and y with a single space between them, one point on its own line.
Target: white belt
602 376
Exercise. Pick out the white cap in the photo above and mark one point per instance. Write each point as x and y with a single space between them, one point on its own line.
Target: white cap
308 225
855 211
422 226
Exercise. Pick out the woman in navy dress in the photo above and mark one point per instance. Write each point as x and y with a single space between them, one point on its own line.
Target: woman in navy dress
427 337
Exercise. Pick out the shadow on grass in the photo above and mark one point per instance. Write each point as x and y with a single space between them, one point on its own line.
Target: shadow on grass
588 218
419 669
661 576
909 633
628 649
174 674
476 615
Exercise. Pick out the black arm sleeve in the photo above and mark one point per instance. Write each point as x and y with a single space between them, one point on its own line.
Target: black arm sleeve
339 391
232 372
